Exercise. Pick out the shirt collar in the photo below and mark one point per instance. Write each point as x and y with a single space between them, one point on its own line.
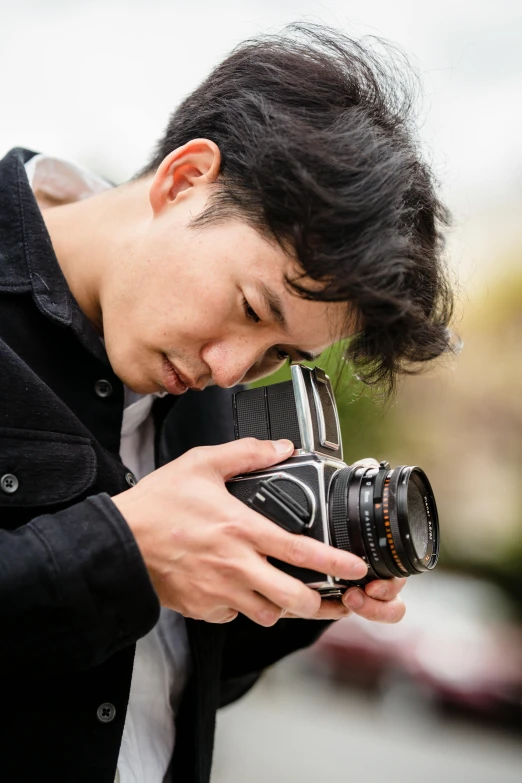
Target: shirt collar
28 262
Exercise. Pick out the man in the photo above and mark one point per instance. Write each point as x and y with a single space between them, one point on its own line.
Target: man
285 208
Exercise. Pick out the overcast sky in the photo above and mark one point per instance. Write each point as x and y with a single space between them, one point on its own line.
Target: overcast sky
96 81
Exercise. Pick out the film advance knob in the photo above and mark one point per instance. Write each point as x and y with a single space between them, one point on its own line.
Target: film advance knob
272 499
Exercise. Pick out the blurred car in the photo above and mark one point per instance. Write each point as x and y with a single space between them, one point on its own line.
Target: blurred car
457 645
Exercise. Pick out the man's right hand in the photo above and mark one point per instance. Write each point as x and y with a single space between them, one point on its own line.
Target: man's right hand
206 551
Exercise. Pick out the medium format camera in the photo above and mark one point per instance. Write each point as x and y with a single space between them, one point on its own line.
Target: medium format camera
387 517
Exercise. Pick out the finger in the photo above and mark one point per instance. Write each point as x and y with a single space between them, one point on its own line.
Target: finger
372 609
258 609
329 610
246 455
385 589
286 592
305 552
221 615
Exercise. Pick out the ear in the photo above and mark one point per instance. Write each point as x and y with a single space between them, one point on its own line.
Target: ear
194 164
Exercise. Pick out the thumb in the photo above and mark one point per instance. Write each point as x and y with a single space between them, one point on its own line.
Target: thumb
248 454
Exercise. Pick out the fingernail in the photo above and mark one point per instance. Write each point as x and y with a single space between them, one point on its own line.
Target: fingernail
354 598
266 617
359 570
283 446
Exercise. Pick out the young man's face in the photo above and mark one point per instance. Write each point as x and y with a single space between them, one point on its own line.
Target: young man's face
193 307
196 303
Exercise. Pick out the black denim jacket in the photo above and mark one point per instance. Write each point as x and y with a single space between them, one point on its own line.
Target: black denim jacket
74 592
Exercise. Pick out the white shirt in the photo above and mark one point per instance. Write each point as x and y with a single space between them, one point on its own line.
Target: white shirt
161 662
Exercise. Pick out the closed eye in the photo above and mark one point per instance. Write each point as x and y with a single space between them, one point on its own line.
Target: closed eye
250 312
281 354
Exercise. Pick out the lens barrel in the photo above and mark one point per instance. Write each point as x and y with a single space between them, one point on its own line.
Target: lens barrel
387 517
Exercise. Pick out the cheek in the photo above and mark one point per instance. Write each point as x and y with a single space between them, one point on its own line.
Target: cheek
197 325
179 309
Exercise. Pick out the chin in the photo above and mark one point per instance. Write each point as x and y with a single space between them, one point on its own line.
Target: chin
134 381
140 386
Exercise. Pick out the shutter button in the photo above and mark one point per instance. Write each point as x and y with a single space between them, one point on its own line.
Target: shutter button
130 478
106 712
103 388
9 483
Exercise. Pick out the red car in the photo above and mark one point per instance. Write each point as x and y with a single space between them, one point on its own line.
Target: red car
456 646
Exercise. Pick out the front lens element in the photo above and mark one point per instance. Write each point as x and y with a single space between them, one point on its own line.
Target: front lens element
419 528
415 518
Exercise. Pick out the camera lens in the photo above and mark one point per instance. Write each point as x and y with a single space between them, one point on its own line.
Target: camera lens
387 517
417 519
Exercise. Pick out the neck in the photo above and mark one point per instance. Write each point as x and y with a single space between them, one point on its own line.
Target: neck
91 236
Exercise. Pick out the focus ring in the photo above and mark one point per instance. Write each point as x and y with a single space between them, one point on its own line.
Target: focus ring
339 509
390 506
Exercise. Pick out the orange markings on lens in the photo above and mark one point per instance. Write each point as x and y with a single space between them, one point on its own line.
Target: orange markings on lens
386 517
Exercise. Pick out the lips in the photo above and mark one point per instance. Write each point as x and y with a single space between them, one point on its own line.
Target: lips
172 380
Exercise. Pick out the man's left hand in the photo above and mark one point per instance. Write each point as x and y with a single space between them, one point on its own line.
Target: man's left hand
379 601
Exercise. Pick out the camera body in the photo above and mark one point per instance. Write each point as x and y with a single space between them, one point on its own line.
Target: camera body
295 493
386 517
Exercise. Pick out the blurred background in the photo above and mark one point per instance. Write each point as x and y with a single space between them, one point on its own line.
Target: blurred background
438 695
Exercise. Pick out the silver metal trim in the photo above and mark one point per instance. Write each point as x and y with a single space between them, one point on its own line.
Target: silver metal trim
319 585
324 513
292 466
302 405
321 425
300 453
316 378
331 592
331 462
326 459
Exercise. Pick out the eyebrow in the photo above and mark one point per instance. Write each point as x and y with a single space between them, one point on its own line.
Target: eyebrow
275 305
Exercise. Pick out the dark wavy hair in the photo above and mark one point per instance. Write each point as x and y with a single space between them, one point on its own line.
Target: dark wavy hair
319 151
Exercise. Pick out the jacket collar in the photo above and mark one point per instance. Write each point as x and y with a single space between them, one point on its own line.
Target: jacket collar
28 262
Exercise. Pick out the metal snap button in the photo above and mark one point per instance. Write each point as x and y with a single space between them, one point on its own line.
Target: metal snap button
9 483
106 712
130 478
103 388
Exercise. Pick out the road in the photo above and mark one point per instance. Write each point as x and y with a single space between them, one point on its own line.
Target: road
296 729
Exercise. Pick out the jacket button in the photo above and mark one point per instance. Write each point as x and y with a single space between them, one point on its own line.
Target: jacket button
9 483
103 388
130 478
106 712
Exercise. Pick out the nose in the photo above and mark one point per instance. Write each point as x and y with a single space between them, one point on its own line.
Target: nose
228 376
229 365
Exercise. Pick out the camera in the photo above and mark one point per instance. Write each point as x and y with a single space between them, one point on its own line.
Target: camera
387 517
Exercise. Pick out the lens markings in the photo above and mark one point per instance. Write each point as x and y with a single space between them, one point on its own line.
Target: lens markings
386 516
